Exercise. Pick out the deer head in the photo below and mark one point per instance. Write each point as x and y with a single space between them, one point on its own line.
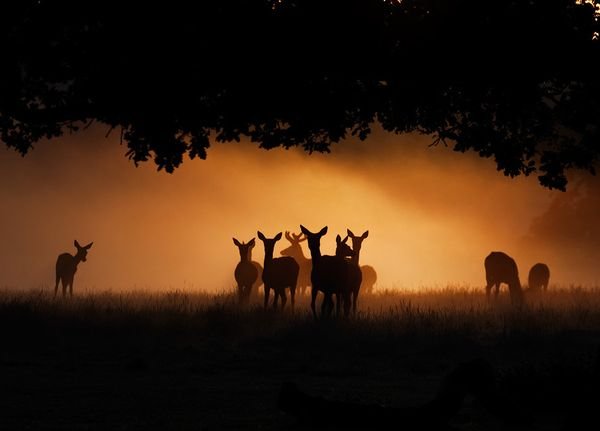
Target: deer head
357 240
82 251
294 249
342 249
245 248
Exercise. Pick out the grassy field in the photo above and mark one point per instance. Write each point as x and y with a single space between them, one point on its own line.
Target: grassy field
197 361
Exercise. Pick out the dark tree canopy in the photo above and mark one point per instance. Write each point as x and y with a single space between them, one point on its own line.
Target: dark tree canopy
513 80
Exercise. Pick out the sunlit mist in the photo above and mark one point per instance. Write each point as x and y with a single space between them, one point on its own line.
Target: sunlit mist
433 215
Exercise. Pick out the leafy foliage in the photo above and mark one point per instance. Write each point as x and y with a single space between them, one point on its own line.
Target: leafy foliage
513 80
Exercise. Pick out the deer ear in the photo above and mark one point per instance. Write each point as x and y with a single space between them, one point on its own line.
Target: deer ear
77 244
323 231
338 239
236 242
87 247
304 230
345 239
350 233
260 235
365 235
277 237
251 243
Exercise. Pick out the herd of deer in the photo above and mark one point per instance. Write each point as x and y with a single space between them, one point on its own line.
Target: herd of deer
501 268
340 275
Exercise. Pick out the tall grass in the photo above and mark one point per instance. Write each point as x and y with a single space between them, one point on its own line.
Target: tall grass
442 310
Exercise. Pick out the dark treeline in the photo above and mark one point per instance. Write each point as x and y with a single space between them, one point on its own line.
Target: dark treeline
511 80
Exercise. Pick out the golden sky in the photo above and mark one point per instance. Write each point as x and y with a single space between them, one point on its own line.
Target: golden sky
433 215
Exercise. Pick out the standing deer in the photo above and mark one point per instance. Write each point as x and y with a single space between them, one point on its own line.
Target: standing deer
539 277
245 272
329 275
66 267
295 250
278 273
356 275
501 268
369 278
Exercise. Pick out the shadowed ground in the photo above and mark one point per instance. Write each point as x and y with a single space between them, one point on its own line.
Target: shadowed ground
195 361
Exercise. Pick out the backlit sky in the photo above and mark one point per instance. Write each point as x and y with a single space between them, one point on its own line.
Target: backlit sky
433 215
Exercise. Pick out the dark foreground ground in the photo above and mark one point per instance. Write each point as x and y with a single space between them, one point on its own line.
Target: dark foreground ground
194 361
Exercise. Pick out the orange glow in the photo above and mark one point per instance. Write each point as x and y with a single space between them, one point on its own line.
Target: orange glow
433 215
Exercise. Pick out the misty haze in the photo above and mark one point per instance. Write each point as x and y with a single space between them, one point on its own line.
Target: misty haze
433 214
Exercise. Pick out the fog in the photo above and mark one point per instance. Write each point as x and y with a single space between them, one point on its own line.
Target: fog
433 215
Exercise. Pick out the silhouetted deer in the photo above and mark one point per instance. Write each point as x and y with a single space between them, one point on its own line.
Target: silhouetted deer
501 268
259 269
329 275
539 277
295 250
245 271
66 267
369 278
356 275
278 273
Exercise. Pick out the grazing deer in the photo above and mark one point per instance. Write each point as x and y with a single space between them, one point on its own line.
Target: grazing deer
539 277
356 275
245 272
66 267
295 250
278 273
329 275
501 268
369 278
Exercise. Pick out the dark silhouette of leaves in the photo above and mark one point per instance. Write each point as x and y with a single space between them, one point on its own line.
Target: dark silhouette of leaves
513 80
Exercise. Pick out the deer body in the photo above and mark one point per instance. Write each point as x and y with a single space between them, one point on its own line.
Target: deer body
501 268
329 275
356 275
66 267
539 277
245 272
259 270
369 278
278 273
305 264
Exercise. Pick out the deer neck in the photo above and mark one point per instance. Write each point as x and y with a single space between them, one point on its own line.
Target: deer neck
315 253
268 256
299 254
245 257
355 257
76 259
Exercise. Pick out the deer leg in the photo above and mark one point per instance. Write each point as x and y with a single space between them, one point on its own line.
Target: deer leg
313 299
338 304
64 287
330 306
293 296
56 286
354 298
283 298
347 303
276 300
325 305
71 288
488 289
497 291
267 291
